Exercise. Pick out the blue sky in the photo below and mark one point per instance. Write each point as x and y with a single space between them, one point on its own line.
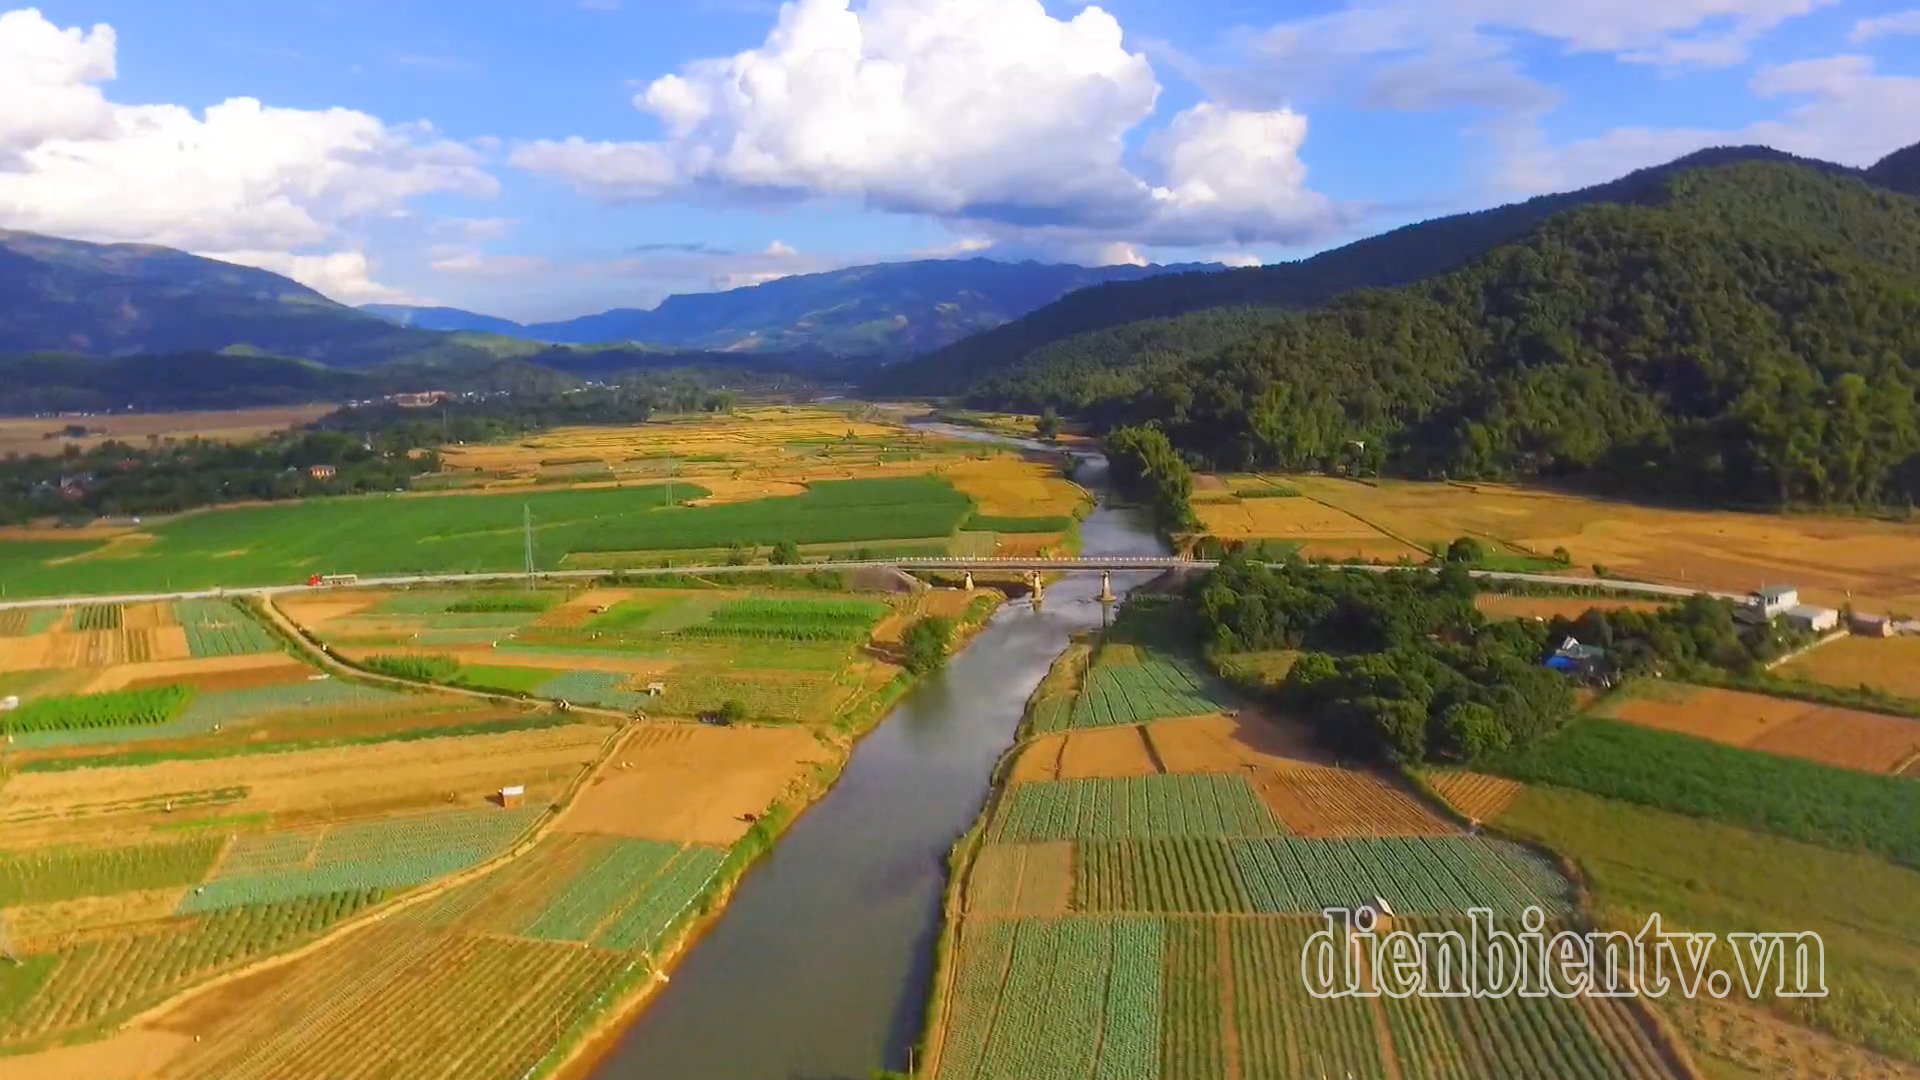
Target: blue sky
545 158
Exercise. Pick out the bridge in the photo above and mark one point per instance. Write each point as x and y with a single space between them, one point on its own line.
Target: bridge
1085 564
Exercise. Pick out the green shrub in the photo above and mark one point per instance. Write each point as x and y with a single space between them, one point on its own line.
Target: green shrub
420 668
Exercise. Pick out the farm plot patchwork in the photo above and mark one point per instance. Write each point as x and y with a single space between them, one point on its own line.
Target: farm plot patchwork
97 712
1134 808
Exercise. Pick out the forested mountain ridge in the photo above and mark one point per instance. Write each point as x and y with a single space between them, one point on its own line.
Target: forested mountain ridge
117 299
1402 256
1751 337
889 309
1899 170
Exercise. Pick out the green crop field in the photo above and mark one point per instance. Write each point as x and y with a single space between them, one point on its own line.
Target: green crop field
95 712
605 689
601 890
102 978
1149 690
67 873
1417 875
792 619
1837 808
830 512
394 853
511 680
1040 999
221 628
24 622
646 919
1140 808
989 523
1705 876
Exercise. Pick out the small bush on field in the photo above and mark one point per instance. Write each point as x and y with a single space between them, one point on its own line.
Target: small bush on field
423 668
1834 808
121 708
1271 492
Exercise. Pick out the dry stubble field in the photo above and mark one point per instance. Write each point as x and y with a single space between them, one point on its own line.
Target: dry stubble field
1828 557
1848 738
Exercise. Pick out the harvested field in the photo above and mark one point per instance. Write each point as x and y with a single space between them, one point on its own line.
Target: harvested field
1007 486
1476 795
27 435
1848 738
1227 743
137 1053
1021 880
1321 530
312 783
1505 606
1887 664
38 927
692 783
1316 801
1877 562
1080 755
207 673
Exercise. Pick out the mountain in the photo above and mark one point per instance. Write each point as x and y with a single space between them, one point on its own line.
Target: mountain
1899 171
1399 257
1746 334
118 299
444 318
890 309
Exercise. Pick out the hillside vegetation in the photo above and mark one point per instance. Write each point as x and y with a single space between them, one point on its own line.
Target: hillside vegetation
1749 338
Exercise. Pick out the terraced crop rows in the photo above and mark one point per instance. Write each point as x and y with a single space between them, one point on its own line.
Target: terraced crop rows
258 702
1315 801
1135 808
110 976
669 897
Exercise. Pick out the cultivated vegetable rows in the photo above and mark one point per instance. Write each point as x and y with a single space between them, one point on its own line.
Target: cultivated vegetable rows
1148 690
116 709
220 628
644 923
66 873
104 977
1417 874
602 889
1134 808
392 854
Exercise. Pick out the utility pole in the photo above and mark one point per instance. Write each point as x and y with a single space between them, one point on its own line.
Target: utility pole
526 532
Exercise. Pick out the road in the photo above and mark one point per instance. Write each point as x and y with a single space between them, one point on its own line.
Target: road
1083 565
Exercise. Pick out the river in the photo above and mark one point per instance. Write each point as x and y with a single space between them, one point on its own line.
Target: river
820 966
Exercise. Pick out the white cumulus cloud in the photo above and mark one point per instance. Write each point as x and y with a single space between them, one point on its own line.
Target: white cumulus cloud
345 276
239 176
971 110
1897 24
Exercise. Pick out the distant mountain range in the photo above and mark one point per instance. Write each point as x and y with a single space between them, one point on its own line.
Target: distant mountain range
887 309
1133 313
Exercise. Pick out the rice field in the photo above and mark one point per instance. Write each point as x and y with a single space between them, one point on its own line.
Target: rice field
221 628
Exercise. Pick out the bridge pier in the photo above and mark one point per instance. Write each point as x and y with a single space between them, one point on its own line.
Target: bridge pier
1106 587
969 581
1039 588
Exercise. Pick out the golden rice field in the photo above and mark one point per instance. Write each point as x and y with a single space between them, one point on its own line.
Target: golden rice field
29 435
1831 558
1889 664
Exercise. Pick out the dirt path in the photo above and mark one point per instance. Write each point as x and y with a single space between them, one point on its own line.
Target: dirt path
324 657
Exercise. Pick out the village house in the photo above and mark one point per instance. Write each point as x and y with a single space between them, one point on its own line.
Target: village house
322 472
1871 625
1807 618
1769 603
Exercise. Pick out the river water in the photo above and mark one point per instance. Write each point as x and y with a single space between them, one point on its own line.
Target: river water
821 965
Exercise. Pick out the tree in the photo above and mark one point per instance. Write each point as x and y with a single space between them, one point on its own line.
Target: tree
785 553
1466 550
1472 732
926 644
1048 426
732 711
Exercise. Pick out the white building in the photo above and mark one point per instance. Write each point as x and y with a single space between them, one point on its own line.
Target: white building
1811 619
1769 603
